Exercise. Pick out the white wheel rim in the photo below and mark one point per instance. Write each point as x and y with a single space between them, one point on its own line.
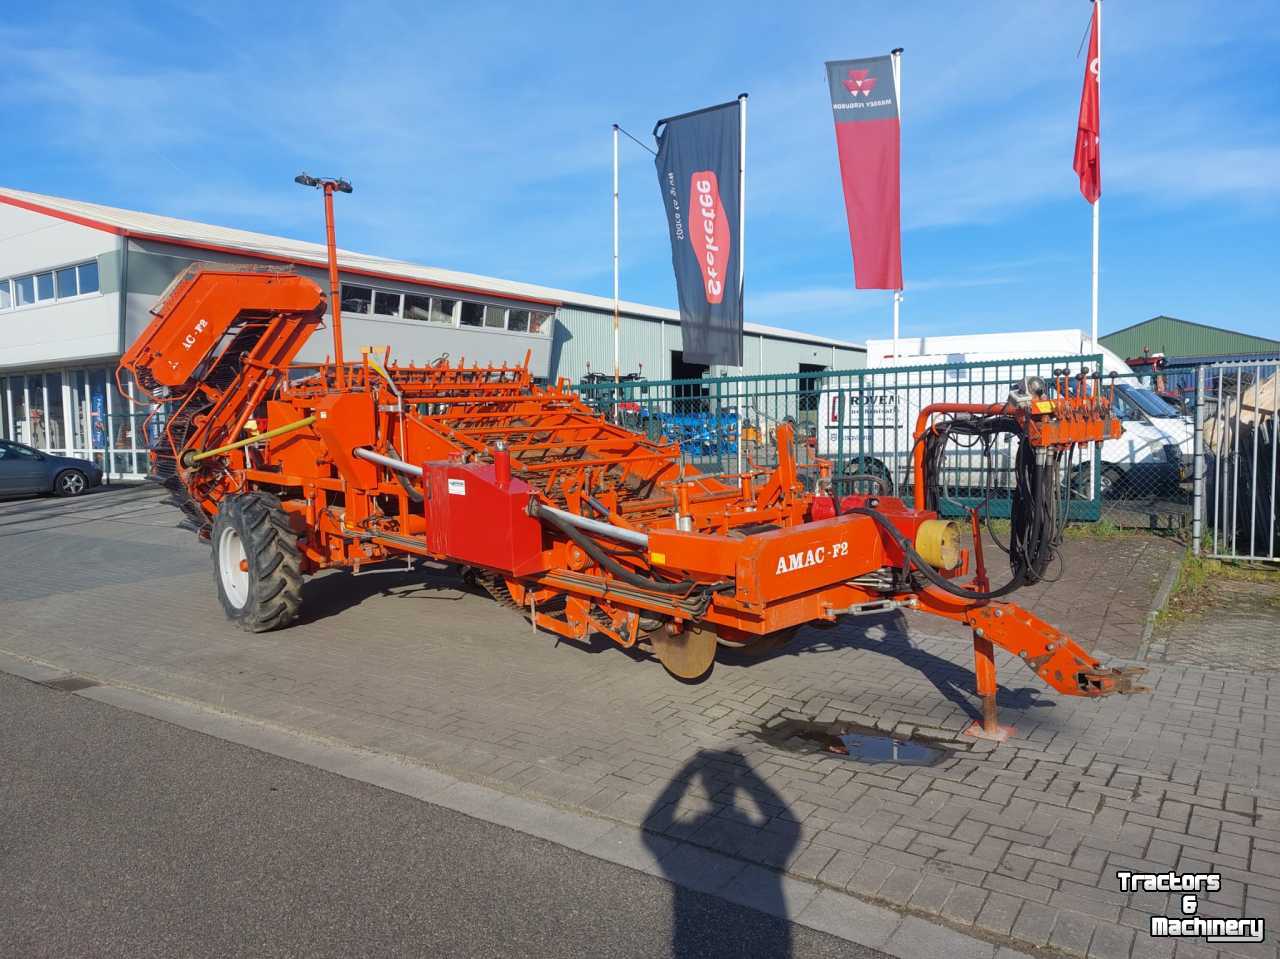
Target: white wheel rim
232 568
72 483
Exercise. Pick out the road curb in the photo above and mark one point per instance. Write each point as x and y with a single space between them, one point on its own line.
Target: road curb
1147 647
813 905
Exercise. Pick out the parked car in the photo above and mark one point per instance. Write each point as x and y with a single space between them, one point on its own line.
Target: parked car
27 470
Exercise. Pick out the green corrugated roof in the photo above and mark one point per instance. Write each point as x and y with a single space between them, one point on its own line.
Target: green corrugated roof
1174 337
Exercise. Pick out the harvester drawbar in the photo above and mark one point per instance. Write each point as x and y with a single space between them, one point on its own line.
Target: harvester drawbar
582 525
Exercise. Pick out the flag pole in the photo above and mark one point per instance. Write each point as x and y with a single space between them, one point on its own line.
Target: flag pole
742 194
742 237
617 352
896 59
1098 201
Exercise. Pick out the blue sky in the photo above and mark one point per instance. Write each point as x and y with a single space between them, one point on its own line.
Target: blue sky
478 138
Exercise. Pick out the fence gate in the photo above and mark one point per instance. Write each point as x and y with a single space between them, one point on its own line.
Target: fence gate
1237 414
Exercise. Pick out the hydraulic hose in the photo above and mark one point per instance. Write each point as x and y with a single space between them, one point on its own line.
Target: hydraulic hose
931 574
593 549
415 496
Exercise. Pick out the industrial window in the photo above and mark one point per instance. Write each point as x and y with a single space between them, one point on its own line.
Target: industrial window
443 311
526 321
356 299
88 276
24 290
63 283
417 307
429 309
66 281
435 309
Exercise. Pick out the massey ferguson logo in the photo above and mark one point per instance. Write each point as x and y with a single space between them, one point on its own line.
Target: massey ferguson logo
860 81
709 233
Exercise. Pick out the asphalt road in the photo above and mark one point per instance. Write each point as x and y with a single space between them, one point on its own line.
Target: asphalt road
124 836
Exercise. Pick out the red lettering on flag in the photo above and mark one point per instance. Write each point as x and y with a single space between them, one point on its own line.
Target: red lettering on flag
709 233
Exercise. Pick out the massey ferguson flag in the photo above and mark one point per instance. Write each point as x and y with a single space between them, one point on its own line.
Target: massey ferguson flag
698 155
864 100
1088 159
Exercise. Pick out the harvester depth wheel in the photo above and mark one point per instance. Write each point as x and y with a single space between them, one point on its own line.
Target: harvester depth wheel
256 563
687 655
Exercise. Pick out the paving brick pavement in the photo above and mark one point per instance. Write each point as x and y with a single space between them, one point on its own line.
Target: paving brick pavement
1019 841
1237 625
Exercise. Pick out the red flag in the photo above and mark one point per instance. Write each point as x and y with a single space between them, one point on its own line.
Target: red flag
1088 159
864 102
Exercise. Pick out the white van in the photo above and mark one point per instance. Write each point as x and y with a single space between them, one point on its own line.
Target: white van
878 421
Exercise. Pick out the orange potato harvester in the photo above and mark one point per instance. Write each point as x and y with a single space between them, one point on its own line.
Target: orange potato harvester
579 523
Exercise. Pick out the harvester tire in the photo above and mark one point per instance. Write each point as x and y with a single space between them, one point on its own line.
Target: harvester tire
257 565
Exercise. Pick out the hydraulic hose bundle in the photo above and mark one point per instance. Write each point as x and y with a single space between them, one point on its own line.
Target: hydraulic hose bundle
1037 511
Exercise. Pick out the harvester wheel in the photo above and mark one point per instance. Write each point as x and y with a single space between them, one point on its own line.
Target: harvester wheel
256 562
688 655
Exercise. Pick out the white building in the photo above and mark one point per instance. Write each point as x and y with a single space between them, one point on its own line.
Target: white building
78 280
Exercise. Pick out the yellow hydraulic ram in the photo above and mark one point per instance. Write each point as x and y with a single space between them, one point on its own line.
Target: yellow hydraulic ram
191 459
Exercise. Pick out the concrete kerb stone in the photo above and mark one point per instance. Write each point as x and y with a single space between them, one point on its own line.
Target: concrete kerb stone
682 863
1146 647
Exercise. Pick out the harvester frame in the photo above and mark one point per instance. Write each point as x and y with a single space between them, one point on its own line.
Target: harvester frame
581 524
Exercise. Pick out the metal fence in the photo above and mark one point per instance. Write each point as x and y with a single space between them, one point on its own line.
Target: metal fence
862 420
1145 476
1237 477
1197 456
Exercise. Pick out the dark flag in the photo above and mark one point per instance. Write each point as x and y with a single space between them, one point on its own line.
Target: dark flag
1088 159
864 99
698 163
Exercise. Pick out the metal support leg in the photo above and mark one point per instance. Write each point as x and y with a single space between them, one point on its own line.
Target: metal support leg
984 670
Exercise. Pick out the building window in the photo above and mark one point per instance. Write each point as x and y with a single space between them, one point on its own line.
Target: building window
356 299
417 307
443 311
428 309
66 281
88 277
24 288
472 314
423 308
526 321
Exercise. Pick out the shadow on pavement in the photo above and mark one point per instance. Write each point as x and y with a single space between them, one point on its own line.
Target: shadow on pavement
887 636
727 824
335 592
